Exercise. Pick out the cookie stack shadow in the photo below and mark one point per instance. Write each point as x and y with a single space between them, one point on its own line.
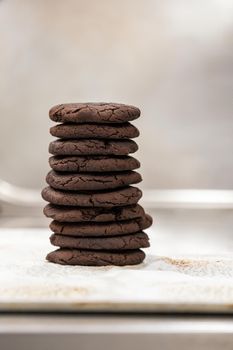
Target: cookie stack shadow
96 216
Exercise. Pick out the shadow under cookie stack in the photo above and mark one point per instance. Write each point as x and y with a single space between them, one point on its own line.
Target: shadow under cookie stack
96 216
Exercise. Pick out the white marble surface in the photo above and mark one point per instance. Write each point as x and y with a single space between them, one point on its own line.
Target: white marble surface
184 271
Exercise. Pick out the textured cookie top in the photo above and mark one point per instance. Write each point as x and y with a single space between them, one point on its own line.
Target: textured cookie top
93 113
86 257
96 229
119 197
82 164
94 131
92 147
133 241
79 214
91 181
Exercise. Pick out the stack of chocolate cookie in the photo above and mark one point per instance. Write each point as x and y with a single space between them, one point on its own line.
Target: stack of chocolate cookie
96 216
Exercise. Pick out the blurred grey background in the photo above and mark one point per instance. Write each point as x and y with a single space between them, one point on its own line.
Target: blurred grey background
171 58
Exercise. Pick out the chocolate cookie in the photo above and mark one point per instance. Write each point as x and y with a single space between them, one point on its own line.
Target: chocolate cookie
79 214
93 113
93 163
94 131
91 181
126 242
125 196
95 229
92 147
95 258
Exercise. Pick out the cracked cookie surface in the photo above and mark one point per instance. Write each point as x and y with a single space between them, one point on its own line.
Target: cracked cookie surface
131 241
91 181
125 196
93 113
92 147
95 229
66 256
81 164
94 131
79 214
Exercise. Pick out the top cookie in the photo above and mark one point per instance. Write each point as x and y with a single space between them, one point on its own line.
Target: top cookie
93 113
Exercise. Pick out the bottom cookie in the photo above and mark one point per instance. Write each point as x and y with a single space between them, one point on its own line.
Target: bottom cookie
95 258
